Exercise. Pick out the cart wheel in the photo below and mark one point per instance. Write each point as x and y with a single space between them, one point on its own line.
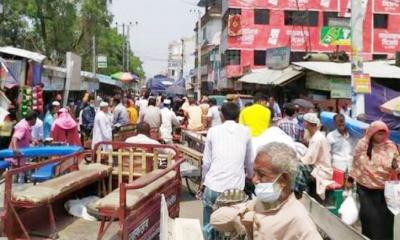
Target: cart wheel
192 184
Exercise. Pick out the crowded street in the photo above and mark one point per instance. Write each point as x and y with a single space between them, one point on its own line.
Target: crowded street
200 119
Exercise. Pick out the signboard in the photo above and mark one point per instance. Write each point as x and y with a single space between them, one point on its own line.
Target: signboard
278 58
339 22
335 36
340 88
101 61
362 83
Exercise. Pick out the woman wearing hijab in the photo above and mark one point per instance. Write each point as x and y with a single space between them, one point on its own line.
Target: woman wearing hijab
375 159
65 128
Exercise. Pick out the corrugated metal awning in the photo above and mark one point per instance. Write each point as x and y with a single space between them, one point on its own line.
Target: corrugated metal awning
37 57
376 69
266 76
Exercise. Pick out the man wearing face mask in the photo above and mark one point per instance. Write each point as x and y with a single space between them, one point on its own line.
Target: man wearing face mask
275 213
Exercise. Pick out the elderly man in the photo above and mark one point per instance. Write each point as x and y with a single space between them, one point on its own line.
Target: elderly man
227 158
317 159
102 128
275 213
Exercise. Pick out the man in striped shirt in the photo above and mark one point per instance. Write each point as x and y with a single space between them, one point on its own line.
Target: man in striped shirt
227 159
289 123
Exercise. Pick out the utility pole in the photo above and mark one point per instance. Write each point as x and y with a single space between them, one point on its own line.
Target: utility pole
123 48
199 41
357 65
128 48
183 56
94 62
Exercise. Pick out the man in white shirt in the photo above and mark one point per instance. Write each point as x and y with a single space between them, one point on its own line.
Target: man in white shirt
102 128
168 120
342 145
214 115
37 131
227 159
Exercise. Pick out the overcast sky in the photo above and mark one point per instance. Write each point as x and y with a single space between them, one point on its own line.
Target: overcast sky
159 23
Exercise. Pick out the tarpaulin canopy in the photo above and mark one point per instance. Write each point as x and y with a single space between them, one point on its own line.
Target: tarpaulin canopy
124 76
37 57
159 83
376 69
266 76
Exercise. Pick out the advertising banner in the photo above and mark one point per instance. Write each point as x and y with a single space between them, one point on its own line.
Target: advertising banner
362 83
337 36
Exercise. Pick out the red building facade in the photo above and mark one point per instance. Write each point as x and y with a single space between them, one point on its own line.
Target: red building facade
296 24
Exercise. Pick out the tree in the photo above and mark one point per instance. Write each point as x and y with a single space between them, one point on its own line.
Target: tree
54 27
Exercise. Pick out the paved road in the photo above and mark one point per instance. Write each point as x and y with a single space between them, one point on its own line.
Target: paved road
190 207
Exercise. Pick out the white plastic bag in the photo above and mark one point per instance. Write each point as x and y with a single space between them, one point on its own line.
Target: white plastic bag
392 196
348 210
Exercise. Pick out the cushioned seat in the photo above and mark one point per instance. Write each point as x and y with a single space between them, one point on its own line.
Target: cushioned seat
46 191
44 173
111 201
4 165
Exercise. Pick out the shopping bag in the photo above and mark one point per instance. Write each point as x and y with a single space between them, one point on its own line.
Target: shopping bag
392 196
348 210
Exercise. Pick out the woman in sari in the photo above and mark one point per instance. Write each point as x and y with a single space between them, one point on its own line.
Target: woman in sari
65 128
375 159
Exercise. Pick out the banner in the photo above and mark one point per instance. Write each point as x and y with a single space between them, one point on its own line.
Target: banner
335 36
362 83
234 25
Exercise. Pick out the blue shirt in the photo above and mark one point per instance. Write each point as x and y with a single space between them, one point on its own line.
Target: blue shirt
47 123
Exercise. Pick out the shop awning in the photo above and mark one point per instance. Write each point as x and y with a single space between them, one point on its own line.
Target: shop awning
376 69
266 76
109 81
37 57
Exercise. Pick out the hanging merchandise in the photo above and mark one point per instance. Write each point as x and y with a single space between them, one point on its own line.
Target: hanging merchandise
26 105
234 25
37 99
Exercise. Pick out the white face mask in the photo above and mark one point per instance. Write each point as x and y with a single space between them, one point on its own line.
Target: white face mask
268 192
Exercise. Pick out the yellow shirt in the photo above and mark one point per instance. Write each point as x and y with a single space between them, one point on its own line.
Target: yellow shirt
133 115
257 118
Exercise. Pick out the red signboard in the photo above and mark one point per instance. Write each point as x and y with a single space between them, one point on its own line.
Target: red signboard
387 6
386 41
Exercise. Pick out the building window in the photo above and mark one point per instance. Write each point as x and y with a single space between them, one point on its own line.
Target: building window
259 58
381 21
379 56
328 15
261 16
230 11
301 18
232 57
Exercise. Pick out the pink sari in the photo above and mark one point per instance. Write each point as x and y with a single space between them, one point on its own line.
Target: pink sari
373 172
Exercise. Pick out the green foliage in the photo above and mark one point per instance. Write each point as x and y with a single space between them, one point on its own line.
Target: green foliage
54 27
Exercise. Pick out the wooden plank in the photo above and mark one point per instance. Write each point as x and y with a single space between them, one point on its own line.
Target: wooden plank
131 159
328 222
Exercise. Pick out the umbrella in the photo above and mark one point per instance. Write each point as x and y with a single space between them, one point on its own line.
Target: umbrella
303 103
124 76
176 90
392 107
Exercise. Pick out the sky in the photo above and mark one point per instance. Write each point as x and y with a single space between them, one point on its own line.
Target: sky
159 23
